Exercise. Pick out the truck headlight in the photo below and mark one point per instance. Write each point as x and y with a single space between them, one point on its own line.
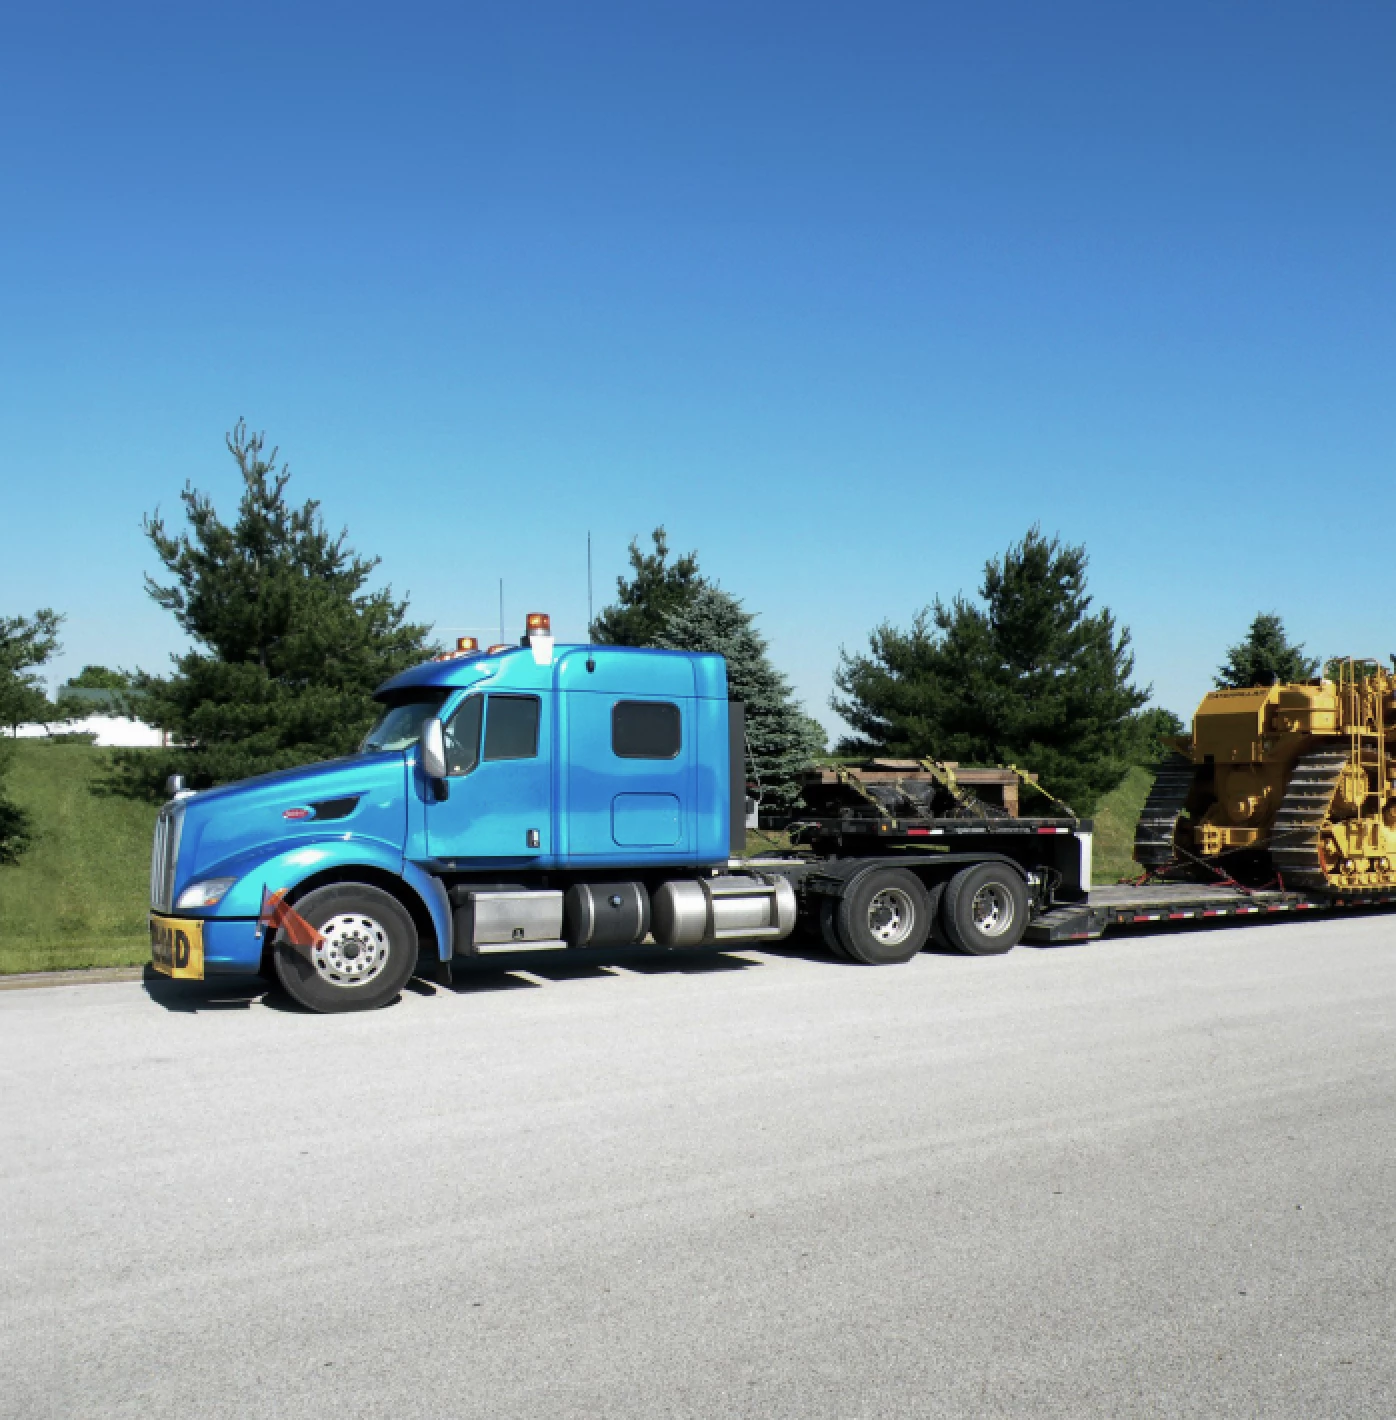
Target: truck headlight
208 893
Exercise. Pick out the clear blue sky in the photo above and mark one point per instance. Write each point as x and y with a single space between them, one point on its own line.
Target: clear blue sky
847 296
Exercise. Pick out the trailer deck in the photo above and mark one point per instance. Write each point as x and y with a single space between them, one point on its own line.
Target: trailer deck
1128 906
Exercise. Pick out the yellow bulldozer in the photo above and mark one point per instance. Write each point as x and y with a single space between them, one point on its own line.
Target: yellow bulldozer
1288 782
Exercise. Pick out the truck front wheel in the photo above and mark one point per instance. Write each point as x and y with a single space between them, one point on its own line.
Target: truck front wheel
353 949
985 911
884 917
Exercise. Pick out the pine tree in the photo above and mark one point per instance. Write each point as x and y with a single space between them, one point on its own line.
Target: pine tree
656 588
1032 677
16 827
26 643
289 643
782 740
1153 728
1265 657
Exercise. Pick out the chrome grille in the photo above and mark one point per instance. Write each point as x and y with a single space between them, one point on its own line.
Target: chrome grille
164 856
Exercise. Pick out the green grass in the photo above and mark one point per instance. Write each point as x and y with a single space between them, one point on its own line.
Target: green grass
1115 818
78 897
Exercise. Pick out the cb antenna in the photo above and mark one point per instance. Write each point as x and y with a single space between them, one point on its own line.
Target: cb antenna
501 610
591 660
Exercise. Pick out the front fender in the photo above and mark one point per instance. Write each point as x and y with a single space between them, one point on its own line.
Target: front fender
260 873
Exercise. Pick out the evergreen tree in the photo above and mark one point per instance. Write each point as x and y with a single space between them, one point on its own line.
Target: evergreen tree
289 643
1033 677
1152 729
16 827
782 740
1265 657
656 588
26 643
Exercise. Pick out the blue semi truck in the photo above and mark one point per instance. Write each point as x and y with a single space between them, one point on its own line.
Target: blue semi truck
543 796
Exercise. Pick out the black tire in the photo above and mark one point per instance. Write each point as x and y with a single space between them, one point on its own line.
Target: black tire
884 917
939 937
985 912
367 956
829 927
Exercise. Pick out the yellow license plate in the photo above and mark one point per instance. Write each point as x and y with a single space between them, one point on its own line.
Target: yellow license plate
177 946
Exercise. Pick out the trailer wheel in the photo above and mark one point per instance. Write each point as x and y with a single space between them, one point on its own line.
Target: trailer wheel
884 917
985 912
365 953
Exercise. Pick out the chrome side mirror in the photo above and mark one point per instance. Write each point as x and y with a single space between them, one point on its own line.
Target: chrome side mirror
433 749
174 785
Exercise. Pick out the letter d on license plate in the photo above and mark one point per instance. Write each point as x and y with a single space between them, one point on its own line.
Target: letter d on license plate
177 946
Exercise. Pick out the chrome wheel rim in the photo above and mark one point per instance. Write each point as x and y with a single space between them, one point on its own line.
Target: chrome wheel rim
891 916
353 949
992 910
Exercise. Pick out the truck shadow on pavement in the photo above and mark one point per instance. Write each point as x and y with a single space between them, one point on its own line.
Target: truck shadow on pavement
536 969
469 976
235 993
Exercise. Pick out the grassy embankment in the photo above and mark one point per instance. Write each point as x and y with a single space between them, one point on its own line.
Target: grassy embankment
79 896
1115 818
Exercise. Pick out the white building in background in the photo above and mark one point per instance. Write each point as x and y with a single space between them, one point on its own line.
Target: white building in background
111 730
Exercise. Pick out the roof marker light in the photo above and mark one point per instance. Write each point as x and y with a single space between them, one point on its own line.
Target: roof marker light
540 637
467 644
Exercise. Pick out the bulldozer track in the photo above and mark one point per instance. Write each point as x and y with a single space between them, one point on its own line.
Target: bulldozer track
1295 836
1158 821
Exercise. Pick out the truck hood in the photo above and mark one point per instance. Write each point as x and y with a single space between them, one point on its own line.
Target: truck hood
361 796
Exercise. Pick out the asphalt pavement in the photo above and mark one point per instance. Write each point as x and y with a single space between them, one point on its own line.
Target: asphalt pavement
1155 1175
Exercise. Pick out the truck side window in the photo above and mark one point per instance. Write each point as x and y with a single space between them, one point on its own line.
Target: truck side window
646 729
511 727
462 735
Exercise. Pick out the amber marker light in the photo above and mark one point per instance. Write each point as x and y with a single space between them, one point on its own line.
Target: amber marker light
539 624
495 650
467 643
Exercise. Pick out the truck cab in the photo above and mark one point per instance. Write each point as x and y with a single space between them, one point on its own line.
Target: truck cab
532 796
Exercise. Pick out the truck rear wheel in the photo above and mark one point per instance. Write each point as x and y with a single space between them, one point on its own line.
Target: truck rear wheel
829 927
985 911
364 952
884 917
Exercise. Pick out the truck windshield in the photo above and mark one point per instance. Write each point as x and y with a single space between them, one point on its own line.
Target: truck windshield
401 724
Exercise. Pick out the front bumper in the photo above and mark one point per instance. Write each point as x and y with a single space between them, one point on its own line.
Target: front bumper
232 945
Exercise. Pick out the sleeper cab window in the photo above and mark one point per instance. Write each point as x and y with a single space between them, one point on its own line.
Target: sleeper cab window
646 729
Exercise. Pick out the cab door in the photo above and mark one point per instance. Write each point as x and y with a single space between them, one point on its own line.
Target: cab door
498 809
